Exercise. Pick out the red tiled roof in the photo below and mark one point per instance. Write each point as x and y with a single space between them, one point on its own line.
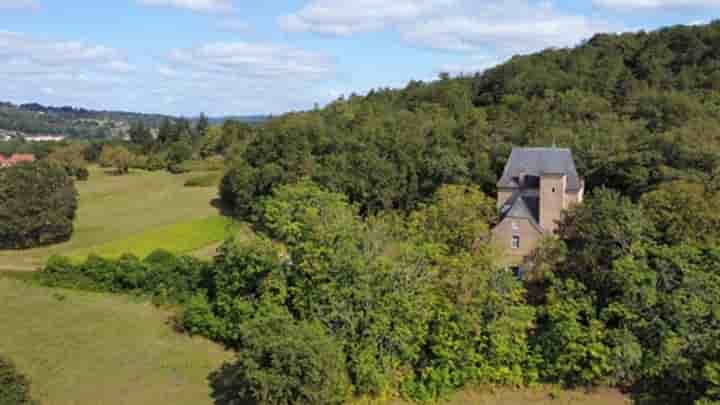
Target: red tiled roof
15 159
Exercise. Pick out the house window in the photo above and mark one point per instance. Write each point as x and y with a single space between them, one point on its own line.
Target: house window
553 189
516 242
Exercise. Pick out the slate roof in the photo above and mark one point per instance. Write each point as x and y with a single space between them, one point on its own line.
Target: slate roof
534 162
523 207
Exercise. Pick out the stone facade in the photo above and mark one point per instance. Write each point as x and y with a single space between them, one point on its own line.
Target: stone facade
537 185
527 233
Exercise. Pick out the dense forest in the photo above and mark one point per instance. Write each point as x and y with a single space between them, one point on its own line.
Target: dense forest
373 273
637 110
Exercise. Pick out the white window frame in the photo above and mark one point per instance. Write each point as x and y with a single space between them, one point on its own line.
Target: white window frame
515 243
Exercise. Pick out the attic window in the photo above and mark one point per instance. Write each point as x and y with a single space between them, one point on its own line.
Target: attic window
516 242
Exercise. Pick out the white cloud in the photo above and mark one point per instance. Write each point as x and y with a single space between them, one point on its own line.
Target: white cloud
254 60
517 29
504 26
346 18
656 4
17 48
194 5
18 5
476 64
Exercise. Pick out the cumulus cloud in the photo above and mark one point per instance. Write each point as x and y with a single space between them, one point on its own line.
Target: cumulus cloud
476 64
347 18
194 5
656 4
18 5
60 72
523 27
17 48
254 60
456 25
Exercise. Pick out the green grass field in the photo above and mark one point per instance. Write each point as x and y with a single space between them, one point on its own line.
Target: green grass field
184 237
138 212
83 348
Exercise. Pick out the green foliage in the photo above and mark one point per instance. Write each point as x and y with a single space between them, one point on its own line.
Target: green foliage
37 205
118 157
206 180
72 159
683 212
161 275
14 387
573 342
284 362
141 136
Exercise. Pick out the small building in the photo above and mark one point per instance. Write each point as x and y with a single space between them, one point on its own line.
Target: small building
536 186
16 159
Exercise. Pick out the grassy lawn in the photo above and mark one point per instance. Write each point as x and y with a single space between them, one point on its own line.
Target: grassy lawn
131 211
83 348
184 237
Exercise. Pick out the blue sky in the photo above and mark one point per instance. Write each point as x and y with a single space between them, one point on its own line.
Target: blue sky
226 57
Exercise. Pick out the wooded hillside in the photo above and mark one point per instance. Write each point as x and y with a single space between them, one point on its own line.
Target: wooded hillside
637 109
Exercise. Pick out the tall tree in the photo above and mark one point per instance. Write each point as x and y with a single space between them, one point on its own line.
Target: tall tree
140 135
202 126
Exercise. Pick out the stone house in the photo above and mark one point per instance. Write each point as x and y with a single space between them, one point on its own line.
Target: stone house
536 186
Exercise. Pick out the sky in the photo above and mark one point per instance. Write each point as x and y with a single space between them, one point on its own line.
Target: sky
243 57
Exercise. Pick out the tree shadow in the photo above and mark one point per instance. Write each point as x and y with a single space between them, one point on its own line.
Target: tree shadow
225 390
223 209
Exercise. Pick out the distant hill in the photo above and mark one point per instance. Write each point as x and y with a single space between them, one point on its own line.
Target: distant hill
249 119
75 122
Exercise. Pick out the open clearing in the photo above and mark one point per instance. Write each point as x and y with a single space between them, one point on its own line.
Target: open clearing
130 212
85 348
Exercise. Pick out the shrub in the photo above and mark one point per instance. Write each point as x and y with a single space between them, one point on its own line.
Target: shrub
82 174
37 205
283 362
207 180
14 387
205 165
175 168
161 275
154 163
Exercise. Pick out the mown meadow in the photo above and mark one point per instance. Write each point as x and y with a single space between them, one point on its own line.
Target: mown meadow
135 213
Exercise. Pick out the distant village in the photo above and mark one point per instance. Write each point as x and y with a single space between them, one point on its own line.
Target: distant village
6 136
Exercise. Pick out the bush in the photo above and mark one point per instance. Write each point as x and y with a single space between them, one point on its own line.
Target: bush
175 168
82 174
14 387
154 163
207 180
205 165
283 362
161 275
37 205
